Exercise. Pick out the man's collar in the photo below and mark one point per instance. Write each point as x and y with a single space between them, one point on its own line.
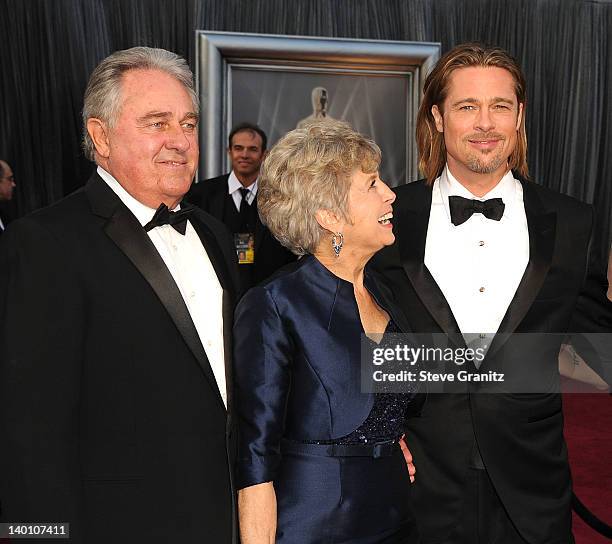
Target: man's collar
233 184
142 212
508 189
449 186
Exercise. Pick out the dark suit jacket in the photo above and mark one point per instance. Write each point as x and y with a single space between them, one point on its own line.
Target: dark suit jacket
520 436
270 255
6 215
110 415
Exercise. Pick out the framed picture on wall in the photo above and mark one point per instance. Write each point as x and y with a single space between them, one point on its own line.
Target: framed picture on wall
278 82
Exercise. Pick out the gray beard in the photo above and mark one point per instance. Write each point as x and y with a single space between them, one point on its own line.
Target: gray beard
477 165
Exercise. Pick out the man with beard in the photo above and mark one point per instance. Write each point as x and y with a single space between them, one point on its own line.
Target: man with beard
232 198
483 253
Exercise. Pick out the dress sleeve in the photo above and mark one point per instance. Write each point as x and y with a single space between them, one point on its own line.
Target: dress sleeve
262 371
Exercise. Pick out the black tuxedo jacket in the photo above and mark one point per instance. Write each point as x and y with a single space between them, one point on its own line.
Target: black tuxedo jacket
520 436
110 415
270 255
5 215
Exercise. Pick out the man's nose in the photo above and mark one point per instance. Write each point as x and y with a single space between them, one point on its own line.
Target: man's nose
177 139
484 120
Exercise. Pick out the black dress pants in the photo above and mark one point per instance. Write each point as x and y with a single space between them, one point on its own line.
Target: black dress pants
484 519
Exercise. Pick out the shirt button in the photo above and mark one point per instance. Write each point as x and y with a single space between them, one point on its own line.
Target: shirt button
482 289
482 336
481 243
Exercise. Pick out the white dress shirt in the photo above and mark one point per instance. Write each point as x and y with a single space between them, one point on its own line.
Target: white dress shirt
193 273
479 264
234 186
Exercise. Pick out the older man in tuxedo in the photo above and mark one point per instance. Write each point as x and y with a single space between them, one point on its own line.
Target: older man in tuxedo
115 311
482 254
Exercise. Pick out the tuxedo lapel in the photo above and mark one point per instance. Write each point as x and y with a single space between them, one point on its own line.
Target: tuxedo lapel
229 296
213 250
384 298
228 345
412 224
542 229
130 237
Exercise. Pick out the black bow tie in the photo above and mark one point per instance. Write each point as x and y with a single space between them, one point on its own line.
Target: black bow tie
163 216
461 209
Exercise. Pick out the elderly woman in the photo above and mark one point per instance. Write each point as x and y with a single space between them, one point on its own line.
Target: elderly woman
319 460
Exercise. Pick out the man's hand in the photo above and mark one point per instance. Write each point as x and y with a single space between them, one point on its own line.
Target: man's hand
408 457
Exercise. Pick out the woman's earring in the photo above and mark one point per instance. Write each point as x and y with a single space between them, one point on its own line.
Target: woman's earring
337 243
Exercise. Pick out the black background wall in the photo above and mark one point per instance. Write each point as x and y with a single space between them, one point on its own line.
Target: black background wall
48 48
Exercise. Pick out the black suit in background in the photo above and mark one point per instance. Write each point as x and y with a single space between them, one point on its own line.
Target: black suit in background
6 215
212 196
110 415
520 436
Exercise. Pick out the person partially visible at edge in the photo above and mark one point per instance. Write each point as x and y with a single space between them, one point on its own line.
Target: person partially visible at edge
7 188
116 305
610 275
319 460
482 253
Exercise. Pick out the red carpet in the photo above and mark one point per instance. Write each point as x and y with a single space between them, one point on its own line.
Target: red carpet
588 431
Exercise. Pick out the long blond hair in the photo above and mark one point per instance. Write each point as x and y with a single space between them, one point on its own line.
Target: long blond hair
430 142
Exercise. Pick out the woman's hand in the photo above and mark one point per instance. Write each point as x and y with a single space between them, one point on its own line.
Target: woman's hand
257 514
408 457
572 366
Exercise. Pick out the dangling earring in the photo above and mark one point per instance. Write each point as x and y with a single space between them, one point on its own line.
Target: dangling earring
337 243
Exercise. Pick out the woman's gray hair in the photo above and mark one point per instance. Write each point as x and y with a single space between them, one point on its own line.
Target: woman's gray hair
103 93
310 169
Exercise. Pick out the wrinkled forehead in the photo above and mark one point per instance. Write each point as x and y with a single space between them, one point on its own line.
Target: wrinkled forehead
153 89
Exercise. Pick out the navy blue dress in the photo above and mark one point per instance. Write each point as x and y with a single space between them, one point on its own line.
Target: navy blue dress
331 450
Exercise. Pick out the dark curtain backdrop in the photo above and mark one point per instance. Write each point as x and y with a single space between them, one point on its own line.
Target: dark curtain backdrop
49 47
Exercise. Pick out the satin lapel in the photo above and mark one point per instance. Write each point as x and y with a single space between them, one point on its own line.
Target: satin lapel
411 237
129 236
384 298
228 346
214 253
542 229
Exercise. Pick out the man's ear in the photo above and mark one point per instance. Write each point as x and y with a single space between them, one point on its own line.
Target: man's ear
437 115
98 132
520 116
328 220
